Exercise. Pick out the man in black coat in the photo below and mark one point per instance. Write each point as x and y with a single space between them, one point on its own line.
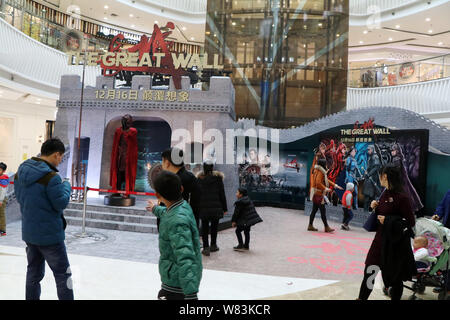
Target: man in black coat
172 160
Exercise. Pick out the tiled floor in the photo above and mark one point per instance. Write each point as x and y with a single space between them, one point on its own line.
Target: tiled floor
285 262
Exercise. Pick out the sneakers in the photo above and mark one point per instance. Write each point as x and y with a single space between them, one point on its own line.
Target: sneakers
2 233
206 251
344 227
214 248
241 248
311 228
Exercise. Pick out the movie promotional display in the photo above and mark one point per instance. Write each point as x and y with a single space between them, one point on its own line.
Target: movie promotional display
282 183
355 154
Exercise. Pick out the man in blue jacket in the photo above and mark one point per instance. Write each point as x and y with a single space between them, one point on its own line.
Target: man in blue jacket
443 211
43 196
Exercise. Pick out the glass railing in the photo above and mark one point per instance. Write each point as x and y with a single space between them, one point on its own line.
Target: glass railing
398 74
64 32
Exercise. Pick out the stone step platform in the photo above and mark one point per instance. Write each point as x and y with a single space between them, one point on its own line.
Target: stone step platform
133 219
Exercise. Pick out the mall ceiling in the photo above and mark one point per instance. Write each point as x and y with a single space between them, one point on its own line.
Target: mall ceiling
424 33
13 95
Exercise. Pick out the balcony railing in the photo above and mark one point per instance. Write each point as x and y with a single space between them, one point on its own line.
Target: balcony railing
398 74
34 65
429 97
53 27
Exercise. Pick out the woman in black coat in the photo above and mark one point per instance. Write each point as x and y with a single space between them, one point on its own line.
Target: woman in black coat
393 205
212 204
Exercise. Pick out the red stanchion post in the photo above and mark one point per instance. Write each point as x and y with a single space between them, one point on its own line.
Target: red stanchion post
83 228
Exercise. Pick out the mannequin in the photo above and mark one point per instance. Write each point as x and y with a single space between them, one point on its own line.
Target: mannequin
124 156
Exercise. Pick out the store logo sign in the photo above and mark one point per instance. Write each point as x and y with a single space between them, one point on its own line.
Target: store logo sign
150 55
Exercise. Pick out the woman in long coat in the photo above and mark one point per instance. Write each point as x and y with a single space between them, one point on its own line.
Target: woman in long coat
392 203
212 204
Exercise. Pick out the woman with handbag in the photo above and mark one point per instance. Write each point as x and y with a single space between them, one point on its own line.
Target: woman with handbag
320 186
393 204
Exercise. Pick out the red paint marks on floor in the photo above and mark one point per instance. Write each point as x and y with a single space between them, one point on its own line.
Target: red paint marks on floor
341 254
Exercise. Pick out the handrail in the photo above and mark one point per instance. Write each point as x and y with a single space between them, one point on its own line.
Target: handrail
40 70
100 33
402 73
423 97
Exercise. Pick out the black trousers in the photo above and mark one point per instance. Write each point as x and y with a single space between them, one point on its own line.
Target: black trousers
206 229
121 179
246 230
369 281
323 214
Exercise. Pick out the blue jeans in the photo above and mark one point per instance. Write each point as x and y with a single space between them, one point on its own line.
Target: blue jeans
348 216
56 257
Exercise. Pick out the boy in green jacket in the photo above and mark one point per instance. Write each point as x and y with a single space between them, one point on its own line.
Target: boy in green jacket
180 262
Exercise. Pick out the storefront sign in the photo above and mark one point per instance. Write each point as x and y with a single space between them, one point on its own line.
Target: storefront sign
406 70
144 95
150 55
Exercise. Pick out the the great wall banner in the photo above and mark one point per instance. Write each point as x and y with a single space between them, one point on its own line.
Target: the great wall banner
354 154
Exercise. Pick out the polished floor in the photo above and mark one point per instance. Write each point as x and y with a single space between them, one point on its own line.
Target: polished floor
284 262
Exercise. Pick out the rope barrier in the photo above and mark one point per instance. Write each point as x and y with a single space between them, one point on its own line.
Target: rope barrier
112 191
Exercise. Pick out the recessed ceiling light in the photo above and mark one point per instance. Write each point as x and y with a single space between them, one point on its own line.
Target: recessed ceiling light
430 31
133 26
338 35
440 43
427 19
192 38
361 42
105 18
233 23
320 24
365 31
397 26
184 28
390 39
106 7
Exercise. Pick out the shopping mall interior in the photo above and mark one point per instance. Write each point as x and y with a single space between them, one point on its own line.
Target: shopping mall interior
323 77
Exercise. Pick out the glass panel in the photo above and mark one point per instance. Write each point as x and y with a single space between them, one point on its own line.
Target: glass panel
447 66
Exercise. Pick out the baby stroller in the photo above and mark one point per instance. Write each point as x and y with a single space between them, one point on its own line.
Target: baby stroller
438 248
